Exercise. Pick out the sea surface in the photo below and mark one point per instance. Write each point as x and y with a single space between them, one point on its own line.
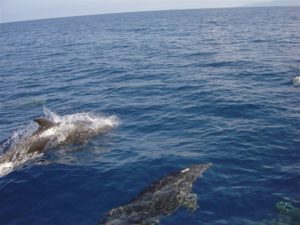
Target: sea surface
188 87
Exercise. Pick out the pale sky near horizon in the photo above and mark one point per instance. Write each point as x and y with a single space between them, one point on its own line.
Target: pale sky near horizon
20 10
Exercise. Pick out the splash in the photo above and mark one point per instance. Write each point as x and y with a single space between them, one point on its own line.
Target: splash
77 128
51 115
26 144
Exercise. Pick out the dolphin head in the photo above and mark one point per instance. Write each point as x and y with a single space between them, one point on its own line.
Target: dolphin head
200 168
196 170
190 174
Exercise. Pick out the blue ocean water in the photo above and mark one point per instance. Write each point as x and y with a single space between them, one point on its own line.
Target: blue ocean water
189 87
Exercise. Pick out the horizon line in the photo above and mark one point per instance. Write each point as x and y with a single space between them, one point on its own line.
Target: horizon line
141 11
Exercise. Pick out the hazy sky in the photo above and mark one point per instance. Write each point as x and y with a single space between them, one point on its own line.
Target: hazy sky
16 10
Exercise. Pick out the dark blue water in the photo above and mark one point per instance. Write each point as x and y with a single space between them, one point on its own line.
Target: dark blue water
189 87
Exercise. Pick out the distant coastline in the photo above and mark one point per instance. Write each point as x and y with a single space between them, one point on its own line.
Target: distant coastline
276 3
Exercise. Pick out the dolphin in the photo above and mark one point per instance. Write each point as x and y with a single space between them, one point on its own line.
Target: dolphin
69 129
296 81
161 198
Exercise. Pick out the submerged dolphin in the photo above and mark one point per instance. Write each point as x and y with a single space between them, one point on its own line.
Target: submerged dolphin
161 198
70 129
296 81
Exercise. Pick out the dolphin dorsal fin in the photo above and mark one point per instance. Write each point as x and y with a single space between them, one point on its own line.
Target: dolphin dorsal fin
44 123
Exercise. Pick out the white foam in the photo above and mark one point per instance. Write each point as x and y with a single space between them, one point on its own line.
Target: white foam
81 123
6 168
48 133
92 119
78 122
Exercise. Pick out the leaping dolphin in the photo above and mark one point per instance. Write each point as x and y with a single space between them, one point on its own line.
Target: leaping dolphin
69 129
161 198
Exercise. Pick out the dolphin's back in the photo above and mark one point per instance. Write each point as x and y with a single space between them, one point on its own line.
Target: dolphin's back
160 198
38 146
177 178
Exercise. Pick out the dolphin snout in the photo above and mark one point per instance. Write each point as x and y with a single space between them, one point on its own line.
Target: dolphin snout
201 167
